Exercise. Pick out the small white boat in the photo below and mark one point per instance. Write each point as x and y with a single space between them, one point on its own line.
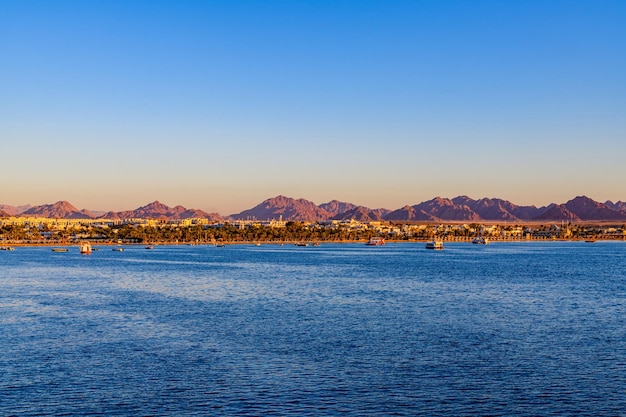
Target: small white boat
118 249
480 241
149 247
85 248
434 244
375 241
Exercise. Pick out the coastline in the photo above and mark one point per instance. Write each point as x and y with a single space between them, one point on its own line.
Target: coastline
8 244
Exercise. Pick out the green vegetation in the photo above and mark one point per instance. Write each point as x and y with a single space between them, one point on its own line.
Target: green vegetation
294 232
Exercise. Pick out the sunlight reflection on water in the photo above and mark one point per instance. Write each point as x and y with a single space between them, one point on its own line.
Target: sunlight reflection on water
506 329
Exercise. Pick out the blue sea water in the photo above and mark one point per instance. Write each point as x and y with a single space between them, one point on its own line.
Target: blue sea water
506 329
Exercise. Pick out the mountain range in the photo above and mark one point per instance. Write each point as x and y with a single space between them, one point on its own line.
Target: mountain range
65 210
461 208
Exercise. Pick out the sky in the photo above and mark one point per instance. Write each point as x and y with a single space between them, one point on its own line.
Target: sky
219 105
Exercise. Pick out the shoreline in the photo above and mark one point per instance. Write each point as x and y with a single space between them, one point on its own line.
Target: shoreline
4 245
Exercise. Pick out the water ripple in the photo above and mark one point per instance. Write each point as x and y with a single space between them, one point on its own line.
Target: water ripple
511 329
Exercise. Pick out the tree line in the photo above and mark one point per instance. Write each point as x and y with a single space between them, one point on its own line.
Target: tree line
227 233
292 232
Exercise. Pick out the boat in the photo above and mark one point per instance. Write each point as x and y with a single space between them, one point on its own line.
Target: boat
118 249
7 248
316 243
375 241
434 244
302 244
59 249
590 241
85 248
149 247
480 241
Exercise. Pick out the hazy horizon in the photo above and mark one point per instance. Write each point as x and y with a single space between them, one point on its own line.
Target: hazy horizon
220 105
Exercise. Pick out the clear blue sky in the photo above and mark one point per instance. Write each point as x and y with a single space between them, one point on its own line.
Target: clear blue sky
218 105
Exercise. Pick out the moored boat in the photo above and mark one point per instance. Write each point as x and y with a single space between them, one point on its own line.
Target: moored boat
85 248
375 241
481 240
434 244
59 249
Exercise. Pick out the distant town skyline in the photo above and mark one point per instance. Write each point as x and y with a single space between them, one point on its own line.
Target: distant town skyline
219 105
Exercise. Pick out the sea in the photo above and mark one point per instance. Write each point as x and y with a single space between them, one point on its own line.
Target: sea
505 329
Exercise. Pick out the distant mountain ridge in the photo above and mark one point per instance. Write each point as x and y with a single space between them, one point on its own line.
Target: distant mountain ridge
362 214
439 209
154 210
60 210
13 210
286 208
461 208
619 206
582 209
158 210
291 209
